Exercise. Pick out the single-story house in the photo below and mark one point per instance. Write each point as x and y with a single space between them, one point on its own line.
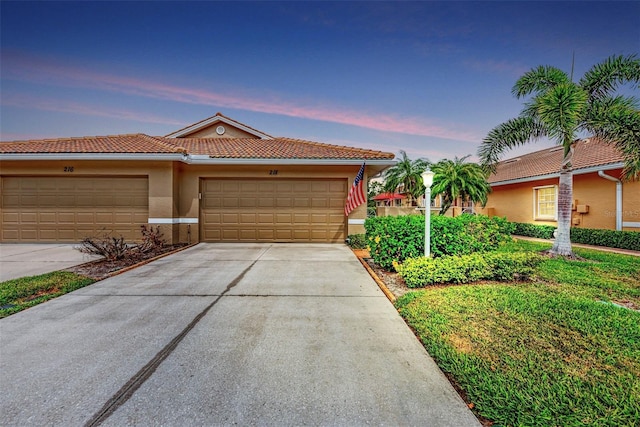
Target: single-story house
217 180
525 188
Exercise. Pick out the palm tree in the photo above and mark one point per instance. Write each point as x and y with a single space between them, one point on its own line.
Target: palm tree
559 109
406 173
457 178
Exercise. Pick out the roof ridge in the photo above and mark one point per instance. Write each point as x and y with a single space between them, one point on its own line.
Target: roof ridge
72 138
556 147
218 114
167 144
343 147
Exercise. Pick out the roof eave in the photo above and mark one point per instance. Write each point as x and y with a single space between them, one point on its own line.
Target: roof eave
207 160
215 119
581 171
92 156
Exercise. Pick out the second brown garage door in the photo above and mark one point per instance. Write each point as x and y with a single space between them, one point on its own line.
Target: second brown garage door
273 211
68 209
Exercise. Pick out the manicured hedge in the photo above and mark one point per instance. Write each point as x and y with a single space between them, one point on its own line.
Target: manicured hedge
588 236
357 241
501 266
533 230
398 238
609 238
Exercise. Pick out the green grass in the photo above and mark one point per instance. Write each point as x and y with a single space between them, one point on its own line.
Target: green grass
549 352
25 292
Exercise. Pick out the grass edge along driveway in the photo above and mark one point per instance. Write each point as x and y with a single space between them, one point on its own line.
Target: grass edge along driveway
24 292
553 351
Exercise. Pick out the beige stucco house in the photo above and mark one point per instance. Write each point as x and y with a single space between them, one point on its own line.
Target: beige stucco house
217 180
525 188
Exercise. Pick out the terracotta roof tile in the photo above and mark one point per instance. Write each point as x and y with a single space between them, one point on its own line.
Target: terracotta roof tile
588 152
242 148
277 148
133 143
218 114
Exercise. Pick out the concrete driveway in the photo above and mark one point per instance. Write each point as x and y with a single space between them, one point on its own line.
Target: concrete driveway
224 334
30 259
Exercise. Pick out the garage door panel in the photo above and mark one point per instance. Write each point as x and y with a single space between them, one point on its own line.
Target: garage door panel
265 218
66 218
230 218
265 234
47 218
302 210
67 209
29 217
301 203
266 202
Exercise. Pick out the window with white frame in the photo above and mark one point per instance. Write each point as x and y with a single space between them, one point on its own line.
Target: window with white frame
545 202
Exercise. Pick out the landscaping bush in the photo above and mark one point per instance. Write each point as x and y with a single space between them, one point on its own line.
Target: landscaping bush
533 230
609 238
394 238
467 234
398 238
116 248
501 266
357 241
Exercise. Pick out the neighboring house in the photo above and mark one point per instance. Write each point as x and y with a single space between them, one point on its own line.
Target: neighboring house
395 204
525 188
390 199
217 180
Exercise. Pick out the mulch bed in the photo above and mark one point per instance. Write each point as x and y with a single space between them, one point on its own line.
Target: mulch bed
103 268
392 280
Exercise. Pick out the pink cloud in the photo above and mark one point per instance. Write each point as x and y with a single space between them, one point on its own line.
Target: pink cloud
64 106
25 68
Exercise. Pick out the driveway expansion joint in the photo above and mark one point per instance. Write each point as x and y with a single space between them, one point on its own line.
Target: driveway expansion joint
136 381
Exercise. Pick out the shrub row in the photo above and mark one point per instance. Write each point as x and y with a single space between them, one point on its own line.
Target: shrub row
588 236
610 238
357 241
502 266
533 230
398 238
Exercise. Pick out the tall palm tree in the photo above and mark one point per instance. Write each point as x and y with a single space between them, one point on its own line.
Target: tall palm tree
406 173
559 109
457 178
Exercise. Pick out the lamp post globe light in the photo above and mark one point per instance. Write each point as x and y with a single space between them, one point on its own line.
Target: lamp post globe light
427 180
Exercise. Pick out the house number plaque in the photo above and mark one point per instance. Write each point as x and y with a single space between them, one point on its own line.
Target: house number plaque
273 172
68 169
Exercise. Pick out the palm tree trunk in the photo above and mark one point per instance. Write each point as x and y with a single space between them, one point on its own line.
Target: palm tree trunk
562 244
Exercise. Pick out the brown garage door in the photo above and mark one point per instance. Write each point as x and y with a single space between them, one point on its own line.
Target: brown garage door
67 209
273 211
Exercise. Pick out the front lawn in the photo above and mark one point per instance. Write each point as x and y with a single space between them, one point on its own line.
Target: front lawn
561 350
25 292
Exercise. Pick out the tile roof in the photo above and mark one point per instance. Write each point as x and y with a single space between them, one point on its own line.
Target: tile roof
588 153
277 148
132 143
236 148
218 114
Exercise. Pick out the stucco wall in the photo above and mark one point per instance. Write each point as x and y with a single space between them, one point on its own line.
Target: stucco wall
174 187
515 201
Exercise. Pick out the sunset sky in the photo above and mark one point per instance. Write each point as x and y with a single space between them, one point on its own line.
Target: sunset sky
431 78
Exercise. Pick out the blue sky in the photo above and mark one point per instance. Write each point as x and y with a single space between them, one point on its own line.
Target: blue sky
431 78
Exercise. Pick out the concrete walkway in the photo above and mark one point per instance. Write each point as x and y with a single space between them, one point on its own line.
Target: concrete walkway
30 259
580 245
224 334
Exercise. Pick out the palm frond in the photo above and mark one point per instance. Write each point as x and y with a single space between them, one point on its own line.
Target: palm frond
508 135
538 80
604 78
562 110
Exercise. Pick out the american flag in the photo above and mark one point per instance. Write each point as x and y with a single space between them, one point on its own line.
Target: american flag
356 195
